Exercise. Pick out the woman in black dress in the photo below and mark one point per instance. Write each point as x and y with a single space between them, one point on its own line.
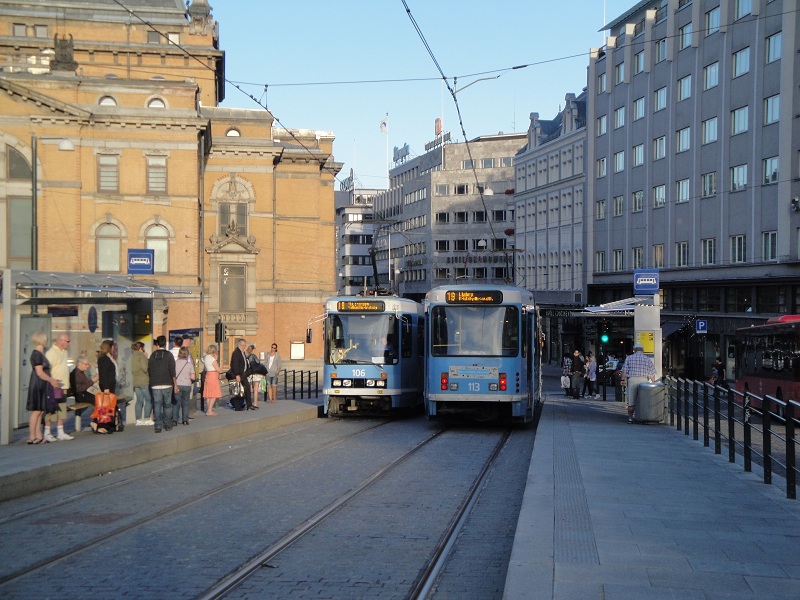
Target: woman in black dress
37 388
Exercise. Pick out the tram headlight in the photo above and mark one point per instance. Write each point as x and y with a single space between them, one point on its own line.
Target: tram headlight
370 383
347 383
381 383
336 383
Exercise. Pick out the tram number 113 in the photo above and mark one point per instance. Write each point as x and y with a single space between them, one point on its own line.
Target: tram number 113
474 387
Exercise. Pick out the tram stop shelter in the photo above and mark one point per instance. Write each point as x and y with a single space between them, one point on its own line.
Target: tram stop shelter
89 307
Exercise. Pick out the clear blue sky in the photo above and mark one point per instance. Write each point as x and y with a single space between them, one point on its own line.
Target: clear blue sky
282 44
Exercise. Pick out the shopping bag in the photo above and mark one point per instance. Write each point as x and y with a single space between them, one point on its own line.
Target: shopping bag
564 381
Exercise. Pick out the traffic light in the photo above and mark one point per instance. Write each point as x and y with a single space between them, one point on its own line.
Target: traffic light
605 333
219 332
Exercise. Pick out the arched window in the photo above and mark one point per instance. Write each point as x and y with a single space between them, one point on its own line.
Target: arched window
156 103
107 101
157 239
109 245
17 166
233 132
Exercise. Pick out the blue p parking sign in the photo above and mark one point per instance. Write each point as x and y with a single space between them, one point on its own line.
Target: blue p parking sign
701 326
140 261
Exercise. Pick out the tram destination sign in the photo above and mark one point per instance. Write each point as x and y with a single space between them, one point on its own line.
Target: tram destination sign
473 297
361 306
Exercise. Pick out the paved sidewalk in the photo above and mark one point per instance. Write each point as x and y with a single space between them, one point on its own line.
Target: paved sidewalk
28 469
616 511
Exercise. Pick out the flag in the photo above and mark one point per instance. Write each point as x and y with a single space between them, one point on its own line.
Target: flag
385 124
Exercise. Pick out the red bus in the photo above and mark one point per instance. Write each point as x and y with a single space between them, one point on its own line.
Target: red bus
768 359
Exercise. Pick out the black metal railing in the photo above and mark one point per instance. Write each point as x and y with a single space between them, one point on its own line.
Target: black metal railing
293 379
759 429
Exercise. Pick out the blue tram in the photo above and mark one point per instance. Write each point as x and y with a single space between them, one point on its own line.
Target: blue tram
373 355
484 353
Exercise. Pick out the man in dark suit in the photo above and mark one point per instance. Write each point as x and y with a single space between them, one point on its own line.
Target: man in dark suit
241 370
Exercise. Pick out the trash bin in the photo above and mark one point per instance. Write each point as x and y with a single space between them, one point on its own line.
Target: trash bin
651 402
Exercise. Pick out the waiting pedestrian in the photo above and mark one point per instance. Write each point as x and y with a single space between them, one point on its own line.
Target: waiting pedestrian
240 368
637 369
184 377
141 385
37 387
566 371
274 366
58 357
255 378
577 372
211 388
161 368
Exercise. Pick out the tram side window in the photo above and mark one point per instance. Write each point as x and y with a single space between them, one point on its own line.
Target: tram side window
420 336
405 336
439 331
510 331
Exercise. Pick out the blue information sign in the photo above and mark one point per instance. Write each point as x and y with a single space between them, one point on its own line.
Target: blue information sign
645 281
140 261
701 326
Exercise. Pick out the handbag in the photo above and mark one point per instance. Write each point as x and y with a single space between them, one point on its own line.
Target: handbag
564 381
236 388
51 404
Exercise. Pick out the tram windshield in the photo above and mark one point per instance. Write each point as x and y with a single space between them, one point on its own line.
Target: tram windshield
361 339
475 331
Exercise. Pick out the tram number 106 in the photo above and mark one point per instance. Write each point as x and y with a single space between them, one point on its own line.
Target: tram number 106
359 372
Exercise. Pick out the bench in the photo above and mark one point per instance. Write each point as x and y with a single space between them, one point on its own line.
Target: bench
79 407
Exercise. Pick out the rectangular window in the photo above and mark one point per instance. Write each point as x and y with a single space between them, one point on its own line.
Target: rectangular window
661 50
771 170
769 243
709 130
460 217
659 147
467 165
498 216
442 189
619 73
738 178
619 260
153 37
479 216
738 248
108 173
600 209
712 21
478 245
638 109
442 218
711 76
637 256
619 117
682 190
601 167
708 251
443 245
20 30
460 245
601 83
772 106
708 184
637 201
156 174
684 88
619 205
461 189
773 47
658 256
619 161
600 262
233 217
487 163
479 273
659 195
507 161
743 8
638 155
441 274
741 62
602 125
19 232
685 36
660 99
638 62
682 254
739 120
232 288
683 139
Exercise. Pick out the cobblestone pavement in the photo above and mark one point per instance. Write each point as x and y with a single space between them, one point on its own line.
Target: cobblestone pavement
179 524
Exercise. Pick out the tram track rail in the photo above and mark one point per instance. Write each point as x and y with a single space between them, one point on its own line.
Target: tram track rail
92 543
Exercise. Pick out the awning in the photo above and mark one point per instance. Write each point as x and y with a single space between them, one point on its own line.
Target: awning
626 305
87 282
670 327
